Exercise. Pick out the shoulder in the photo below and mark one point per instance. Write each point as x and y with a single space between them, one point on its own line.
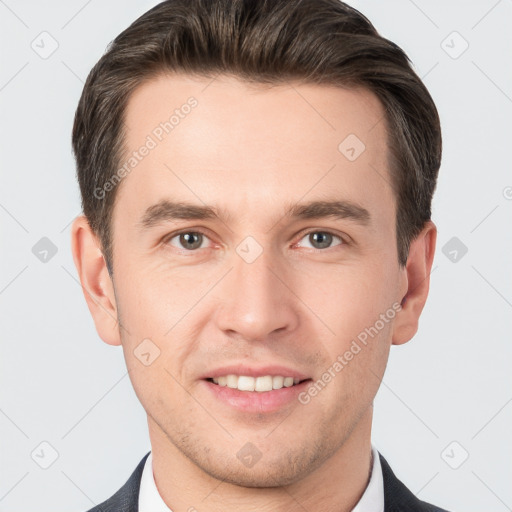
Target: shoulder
397 497
126 498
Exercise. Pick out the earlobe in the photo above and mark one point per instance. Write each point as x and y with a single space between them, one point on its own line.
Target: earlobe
96 282
417 273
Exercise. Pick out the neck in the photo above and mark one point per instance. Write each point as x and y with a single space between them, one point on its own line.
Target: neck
336 484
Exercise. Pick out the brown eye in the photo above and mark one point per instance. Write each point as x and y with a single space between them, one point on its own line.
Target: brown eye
189 240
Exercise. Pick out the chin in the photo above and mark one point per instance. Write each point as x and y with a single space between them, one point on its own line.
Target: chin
284 468
262 478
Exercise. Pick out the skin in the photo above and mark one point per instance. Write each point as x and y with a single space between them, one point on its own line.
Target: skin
252 151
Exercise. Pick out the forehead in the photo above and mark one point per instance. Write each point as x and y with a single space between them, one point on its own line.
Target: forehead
225 140
237 106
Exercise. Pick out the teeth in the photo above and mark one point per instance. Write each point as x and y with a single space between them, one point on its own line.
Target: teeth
260 384
246 383
232 381
277 382
288 381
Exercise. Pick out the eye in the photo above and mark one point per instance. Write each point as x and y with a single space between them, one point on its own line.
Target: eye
322 239
194 240
188 240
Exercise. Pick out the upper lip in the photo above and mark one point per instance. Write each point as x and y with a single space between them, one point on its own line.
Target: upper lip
252 371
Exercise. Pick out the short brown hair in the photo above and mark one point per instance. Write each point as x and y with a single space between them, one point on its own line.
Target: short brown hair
262 41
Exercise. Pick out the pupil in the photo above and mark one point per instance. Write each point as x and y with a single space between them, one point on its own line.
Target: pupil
320 240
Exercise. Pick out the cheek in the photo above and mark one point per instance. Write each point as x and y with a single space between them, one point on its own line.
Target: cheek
347 299
354 338
359 359
156 308
156 297
157 387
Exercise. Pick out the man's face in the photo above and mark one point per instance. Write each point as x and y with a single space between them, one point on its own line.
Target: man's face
256 286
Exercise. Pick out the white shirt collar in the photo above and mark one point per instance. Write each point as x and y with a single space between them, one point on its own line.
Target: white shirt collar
372 499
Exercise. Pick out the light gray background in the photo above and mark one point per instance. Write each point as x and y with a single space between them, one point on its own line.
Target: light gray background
61 384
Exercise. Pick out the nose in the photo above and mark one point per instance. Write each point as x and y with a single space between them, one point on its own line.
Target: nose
257 299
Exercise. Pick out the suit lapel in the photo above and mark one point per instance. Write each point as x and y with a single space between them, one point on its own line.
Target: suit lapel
125 499
397 497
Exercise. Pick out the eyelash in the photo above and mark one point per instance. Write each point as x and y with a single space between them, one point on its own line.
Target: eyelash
343 240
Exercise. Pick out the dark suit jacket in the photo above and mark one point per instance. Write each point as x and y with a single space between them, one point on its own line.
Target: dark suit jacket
397 498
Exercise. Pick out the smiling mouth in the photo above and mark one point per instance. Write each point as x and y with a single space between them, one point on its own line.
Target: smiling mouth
257 384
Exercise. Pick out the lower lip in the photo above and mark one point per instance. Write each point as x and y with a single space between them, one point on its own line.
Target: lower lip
257 401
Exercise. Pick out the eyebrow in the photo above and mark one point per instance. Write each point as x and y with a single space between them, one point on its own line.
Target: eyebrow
166 210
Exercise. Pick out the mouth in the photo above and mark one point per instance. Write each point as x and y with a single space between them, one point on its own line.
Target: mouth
256 395
261 384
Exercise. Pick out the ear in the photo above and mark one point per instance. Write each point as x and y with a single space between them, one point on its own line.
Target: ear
96 282
417 278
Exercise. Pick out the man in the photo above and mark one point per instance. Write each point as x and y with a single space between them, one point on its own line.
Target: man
256 181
